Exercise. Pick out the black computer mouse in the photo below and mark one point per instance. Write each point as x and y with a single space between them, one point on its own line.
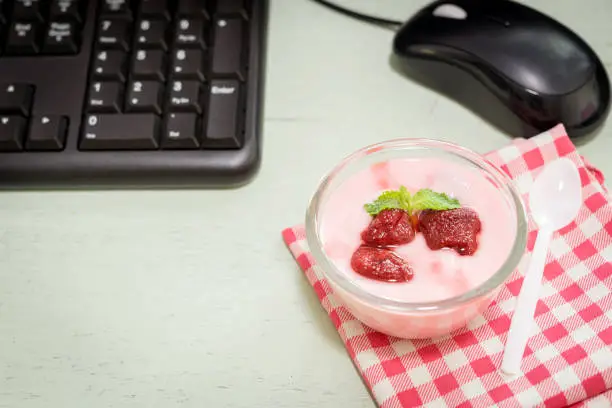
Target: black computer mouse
514 66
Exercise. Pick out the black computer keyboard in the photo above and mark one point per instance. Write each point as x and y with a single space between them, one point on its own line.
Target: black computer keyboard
131 92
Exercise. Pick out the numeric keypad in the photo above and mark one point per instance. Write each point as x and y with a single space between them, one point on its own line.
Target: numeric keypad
159 58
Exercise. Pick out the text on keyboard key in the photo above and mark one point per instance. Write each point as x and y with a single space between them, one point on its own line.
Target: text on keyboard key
120 132
228 53
104 97
185 96
144 96
23 38
61 38
151 34
12 129
16 98
114 34
180 131
65 10
110 64
117 8
149 64
188 64
189 33
47 133
224 117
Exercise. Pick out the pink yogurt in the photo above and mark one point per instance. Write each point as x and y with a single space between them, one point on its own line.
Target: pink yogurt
438 275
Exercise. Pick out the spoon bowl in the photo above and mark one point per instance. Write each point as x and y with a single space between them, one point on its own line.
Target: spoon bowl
555 196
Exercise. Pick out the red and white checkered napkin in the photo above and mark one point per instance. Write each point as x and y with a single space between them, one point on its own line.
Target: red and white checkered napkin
569 359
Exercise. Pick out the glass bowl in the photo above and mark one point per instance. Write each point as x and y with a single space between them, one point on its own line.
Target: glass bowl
415 319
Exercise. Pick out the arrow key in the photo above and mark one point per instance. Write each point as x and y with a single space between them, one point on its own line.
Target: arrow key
47 133
144 96
11 133
16 98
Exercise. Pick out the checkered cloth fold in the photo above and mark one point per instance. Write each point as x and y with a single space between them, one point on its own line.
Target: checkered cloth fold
568 360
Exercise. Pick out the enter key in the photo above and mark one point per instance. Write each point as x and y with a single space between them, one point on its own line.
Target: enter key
224 126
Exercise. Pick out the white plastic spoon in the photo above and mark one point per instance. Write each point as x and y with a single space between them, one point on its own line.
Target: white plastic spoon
555 199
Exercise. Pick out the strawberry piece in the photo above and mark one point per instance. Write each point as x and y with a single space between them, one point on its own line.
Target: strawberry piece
457 229
389 227
380 264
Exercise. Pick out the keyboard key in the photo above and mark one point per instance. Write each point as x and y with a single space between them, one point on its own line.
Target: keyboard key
22 38
65 10
104 97
185 96
180 131
189 33
117 9
16 98
224 120
227 58
12 129
149 64
144 96
232 7
110 65
27 10
47 133
114 34
188 64
192 8
152 34
61 38
154 8
120 132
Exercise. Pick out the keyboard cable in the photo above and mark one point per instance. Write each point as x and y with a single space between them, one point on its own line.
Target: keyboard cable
385 22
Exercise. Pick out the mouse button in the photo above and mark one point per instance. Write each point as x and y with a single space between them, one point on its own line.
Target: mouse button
546 61
428 30
542 60
451 11
507 10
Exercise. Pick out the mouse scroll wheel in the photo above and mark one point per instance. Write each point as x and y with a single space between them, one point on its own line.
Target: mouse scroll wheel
450 11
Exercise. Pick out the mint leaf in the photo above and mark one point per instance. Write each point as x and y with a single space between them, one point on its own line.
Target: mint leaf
389 200
426 199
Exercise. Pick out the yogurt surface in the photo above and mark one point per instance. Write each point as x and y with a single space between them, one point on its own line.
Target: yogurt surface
437 274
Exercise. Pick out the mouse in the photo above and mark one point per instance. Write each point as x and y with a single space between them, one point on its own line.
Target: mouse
519 69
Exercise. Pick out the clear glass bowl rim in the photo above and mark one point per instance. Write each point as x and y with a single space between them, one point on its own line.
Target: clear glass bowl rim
336 277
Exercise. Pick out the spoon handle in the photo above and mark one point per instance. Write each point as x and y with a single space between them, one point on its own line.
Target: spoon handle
521 324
